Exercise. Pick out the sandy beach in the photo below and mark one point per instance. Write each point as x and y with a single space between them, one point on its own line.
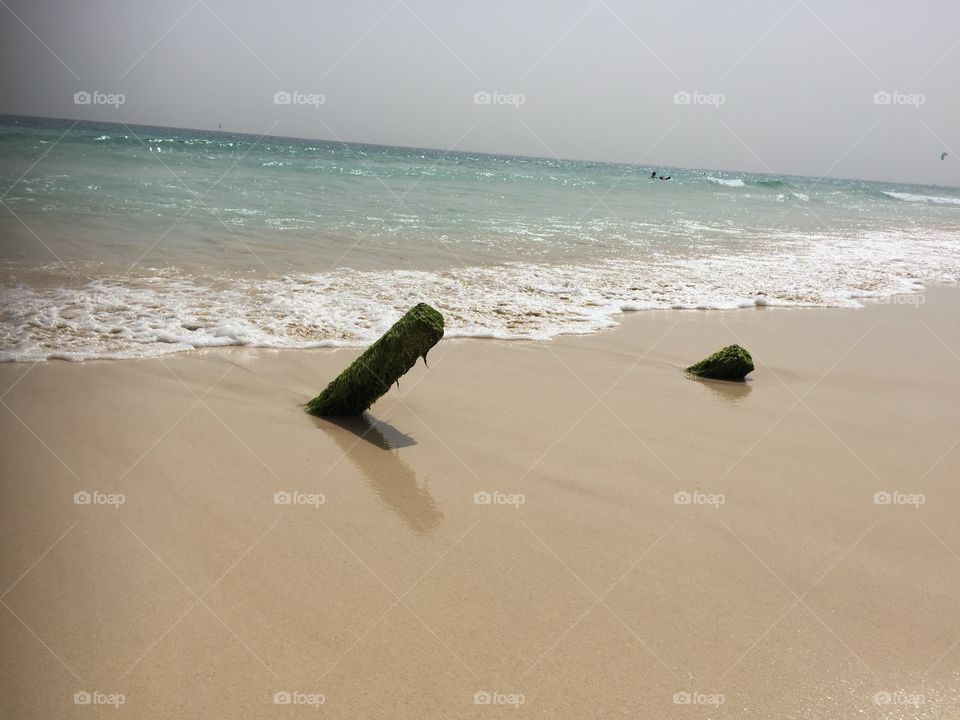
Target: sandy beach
563 529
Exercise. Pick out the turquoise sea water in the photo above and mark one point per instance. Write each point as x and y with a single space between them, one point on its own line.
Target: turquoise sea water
126 241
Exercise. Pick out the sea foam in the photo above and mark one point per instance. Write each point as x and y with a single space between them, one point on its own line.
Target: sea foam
126 317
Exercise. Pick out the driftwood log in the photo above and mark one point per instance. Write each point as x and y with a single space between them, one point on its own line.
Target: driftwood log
371 375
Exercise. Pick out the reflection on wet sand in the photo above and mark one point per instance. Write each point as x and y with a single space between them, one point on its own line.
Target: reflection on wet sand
727 390
391 478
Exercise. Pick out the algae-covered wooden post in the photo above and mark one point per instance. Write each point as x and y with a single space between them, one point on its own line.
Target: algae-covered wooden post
371 375
731 363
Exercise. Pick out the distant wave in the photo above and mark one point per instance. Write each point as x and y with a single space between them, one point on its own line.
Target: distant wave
917 198
785 192
735 182
794 195
739 183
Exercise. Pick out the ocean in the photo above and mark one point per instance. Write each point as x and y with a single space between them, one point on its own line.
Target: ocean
131 241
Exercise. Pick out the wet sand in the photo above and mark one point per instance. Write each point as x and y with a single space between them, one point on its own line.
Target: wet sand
566 529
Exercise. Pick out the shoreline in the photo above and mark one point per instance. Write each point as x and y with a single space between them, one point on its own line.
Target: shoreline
573 522
217 337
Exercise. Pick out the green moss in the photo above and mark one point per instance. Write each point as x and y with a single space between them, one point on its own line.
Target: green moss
731 363
371 375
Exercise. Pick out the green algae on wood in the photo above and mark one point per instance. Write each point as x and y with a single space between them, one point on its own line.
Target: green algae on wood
731 363
371 375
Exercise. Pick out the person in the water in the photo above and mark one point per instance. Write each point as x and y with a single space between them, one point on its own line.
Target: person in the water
653 175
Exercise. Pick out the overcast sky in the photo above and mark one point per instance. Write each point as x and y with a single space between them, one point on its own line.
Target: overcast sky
781 86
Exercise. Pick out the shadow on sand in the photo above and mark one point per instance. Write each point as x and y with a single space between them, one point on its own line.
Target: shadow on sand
372 446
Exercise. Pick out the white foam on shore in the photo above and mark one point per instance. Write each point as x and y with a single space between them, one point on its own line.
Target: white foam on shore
170 312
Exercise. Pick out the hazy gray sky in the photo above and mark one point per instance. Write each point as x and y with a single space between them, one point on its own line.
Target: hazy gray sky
782 86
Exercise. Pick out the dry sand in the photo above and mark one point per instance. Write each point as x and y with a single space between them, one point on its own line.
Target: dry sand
399 596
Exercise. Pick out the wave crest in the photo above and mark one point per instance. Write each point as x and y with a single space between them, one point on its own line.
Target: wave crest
727 182
918 198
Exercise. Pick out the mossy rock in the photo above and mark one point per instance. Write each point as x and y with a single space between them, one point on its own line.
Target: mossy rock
731 363
382 364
